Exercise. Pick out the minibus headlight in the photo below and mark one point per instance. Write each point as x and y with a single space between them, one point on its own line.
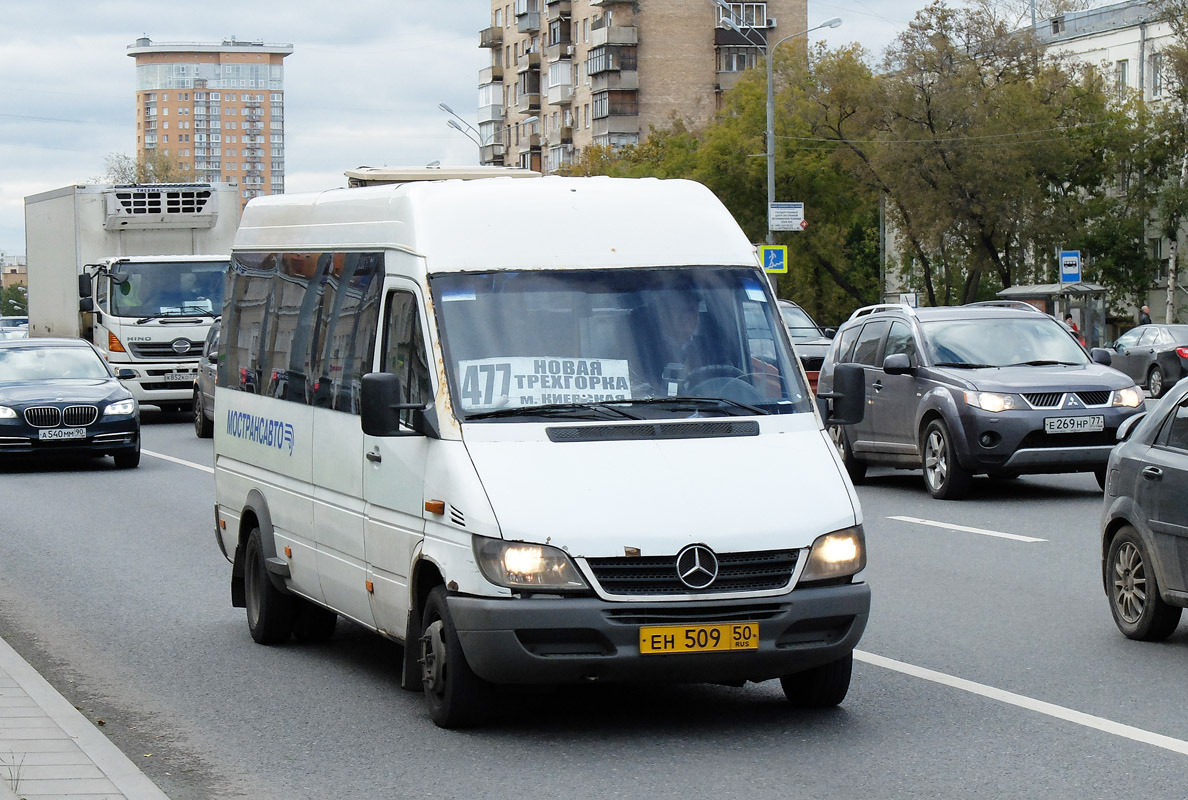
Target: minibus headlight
520 565
123 408
1129 398
7 413
836 555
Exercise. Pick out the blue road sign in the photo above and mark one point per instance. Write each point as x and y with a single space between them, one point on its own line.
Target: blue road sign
774 257
1070 266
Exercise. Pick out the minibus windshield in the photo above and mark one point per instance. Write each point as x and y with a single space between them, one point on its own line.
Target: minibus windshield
615 343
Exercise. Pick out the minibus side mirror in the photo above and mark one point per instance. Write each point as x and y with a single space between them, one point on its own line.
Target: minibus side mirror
1100 355
380 408
848 395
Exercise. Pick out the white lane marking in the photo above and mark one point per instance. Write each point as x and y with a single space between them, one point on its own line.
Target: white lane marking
966 529
1029 703
183 462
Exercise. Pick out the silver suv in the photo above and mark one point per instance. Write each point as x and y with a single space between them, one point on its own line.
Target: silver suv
967 390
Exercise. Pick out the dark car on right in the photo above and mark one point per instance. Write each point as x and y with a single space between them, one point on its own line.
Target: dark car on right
1144 561
1156 356
968 390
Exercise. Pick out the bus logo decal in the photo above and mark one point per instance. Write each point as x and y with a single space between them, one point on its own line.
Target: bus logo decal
261 430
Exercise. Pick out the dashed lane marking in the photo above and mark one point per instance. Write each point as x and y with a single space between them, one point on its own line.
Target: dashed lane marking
966 529
181 461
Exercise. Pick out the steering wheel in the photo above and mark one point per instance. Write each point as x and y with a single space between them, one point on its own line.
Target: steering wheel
709 371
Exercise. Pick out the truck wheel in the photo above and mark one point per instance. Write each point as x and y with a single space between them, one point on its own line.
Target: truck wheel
457 697
312 623
203 427
944 477
1139 611
130 458
820 687
270 612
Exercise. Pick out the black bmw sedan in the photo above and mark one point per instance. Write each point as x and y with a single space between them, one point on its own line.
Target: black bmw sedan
60 396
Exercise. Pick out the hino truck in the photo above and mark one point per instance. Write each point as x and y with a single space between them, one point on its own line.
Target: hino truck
138 270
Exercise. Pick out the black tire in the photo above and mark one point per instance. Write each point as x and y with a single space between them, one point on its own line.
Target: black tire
130 458
457 698
203 427
820 687
1139 610
312 623
944 477
1156 384
271 613
854 468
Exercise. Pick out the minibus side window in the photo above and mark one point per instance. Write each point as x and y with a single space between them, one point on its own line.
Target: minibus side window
404 353
344 328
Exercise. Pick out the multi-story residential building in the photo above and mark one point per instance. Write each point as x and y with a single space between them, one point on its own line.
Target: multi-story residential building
217 111
566 74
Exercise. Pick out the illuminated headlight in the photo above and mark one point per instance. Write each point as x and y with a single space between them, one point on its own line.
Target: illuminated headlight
122 408
518 565
836 555
7 413
1128 398
992 402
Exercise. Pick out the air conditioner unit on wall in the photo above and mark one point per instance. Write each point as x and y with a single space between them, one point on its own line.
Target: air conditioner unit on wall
569 49
771 22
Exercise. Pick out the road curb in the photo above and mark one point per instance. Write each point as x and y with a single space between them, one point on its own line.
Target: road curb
118 768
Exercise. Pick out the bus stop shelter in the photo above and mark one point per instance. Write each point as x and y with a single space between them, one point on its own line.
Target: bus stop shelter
1084 300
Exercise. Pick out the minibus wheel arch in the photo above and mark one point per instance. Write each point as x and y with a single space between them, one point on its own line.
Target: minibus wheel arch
425 576
255 515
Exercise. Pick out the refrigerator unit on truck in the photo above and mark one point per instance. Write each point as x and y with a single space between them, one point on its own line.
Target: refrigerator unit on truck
138 270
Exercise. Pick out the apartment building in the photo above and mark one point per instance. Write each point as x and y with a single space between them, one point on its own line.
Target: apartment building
566 74
216 110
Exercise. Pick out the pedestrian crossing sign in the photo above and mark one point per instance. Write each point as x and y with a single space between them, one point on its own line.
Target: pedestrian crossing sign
774 257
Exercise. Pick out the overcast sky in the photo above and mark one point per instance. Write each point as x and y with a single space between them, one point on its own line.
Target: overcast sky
361 87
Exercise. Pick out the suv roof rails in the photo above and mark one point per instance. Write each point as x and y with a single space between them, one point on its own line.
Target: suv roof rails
1019 304
877 307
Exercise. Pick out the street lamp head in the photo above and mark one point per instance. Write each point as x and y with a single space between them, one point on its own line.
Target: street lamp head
445 108
833 23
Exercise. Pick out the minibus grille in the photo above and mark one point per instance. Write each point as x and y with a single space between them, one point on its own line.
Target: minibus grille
760 571
706 429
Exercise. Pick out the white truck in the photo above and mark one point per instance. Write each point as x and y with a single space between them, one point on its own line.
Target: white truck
138 270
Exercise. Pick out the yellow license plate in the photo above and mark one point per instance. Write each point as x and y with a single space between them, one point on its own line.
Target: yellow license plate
662 639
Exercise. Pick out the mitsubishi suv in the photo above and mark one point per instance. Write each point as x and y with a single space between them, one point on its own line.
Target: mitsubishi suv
976 390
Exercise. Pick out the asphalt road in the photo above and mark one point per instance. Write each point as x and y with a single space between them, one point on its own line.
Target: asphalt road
991 666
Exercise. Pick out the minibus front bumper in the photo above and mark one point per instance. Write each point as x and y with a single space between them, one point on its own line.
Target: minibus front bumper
553 640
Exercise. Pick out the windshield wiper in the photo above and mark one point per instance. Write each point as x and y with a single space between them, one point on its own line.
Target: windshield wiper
571 410
1040 362
720 402
152 317
964 365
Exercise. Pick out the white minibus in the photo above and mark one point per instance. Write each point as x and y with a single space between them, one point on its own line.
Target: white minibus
539 431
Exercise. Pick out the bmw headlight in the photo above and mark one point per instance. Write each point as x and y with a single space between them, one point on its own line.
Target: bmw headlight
519 565
1128 398
992 401
836 555
122 408
7 413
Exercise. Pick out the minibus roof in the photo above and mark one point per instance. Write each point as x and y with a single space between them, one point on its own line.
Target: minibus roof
374 176
505 223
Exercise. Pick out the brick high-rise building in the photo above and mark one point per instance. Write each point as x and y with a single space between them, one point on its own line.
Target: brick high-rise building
215 109
565 74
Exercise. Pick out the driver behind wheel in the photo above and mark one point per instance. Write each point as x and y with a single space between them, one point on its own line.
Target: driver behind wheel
680 349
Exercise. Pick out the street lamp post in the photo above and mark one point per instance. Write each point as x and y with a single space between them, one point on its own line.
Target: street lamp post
470 132
768 49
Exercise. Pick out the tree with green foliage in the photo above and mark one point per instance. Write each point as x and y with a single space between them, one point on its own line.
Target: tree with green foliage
151 166
14 301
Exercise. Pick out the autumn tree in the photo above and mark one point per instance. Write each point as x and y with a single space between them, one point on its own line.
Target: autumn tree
150 166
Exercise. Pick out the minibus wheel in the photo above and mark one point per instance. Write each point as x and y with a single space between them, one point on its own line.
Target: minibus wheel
457 697
824 686
270 612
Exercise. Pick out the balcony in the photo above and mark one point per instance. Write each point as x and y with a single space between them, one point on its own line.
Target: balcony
527 102
491 113
491 74
614 34
528 61
627 79
491 37
560 95
612 125
559 9
492 153
529 143
560 50
565 134
528 22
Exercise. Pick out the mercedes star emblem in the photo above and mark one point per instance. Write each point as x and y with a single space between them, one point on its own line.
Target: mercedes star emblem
697 566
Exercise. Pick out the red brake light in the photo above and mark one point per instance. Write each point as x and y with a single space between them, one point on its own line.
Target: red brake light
1182 352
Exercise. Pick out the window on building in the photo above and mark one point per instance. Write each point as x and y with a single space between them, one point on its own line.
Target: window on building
1121 75
735 59
1157 74
1057 25
750 15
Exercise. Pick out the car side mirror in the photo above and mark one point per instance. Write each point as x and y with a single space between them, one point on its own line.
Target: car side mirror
1128 425
830 333
898 364
1100 355
86 304
848 395
212 357
380 407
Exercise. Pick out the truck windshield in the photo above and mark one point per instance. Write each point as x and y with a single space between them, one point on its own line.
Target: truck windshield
617 343
168 288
